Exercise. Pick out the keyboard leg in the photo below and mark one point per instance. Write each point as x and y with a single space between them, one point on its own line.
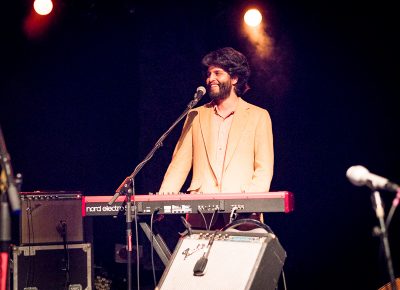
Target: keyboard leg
158 244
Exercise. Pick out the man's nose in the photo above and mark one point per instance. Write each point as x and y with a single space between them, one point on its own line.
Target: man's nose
211 78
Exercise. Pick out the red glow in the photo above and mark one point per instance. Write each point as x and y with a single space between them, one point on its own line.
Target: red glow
36 25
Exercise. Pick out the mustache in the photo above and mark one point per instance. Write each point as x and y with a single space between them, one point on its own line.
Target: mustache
211 84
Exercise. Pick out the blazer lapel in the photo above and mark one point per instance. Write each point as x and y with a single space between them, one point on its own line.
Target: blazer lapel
237 128
207 134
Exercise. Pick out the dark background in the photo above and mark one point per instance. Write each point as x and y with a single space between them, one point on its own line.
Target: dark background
84 101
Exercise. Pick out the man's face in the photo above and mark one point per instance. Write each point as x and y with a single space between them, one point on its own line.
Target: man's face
219 83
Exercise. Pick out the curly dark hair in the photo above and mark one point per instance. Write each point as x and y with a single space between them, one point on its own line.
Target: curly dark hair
233 62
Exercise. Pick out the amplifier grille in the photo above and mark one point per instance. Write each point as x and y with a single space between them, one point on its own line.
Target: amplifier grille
51 218
235 261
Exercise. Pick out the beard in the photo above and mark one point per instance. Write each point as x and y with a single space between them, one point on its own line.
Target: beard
223 92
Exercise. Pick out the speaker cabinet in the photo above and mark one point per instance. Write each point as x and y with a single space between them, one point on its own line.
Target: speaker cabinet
236 260
48 217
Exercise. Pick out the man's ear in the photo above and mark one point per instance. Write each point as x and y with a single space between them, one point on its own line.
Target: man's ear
234 80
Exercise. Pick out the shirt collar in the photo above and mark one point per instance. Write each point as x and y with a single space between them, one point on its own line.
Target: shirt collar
217 112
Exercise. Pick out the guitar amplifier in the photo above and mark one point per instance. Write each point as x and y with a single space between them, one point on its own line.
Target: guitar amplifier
51 217
236 260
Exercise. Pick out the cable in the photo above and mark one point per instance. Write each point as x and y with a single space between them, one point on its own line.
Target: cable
30 276
212 219
137 249
247 221
188 227
152 248
284 279
62 230
233 214
395 202
204 218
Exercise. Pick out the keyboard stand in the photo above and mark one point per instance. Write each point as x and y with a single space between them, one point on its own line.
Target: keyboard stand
158 243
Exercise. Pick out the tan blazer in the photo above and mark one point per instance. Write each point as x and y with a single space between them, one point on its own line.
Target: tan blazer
249 160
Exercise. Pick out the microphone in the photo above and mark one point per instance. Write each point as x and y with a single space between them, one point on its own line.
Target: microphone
200 92
200 266
360 176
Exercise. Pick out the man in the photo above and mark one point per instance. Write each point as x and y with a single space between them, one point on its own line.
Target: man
227 143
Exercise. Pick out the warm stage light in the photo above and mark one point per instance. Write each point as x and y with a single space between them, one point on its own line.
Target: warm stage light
252 17
254 28
43 7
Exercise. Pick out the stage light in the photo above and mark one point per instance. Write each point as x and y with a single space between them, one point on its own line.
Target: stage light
43 7
254 28
252 17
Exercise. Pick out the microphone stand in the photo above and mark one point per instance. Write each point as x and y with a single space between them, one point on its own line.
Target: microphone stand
384 236
11 199
127 187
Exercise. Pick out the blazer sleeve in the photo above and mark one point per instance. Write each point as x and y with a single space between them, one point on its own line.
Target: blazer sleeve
181 162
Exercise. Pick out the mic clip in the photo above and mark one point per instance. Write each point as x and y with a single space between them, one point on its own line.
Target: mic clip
192 103
123 189
125 186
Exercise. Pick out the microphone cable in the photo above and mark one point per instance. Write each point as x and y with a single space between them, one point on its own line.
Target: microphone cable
395 202
204 218
233 214
212 221
152 246
30 275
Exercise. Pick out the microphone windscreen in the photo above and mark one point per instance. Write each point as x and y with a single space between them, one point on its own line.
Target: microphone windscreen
200 266
357 174
201 89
